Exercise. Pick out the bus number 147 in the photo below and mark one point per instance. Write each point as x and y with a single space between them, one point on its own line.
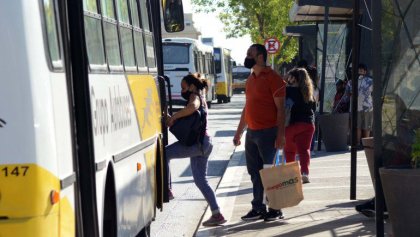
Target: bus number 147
16 171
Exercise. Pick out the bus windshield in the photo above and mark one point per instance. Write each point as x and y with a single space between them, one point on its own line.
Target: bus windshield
176 54
218 60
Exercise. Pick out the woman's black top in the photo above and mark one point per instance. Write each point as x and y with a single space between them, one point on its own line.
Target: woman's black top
301 112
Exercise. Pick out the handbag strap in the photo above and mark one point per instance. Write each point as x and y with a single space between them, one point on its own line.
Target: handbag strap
276 157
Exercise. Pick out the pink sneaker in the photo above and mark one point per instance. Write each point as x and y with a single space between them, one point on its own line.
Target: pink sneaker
214 220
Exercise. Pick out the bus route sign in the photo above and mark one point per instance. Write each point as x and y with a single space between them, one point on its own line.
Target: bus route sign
272 45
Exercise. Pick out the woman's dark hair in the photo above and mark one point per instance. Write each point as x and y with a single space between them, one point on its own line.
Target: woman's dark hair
302 63
362 66
194 79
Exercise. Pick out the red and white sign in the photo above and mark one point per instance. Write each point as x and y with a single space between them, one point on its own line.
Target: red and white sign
272 45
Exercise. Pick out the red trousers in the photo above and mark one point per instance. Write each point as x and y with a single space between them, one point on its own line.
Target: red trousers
298 140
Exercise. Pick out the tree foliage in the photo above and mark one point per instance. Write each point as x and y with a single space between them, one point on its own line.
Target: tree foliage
260 19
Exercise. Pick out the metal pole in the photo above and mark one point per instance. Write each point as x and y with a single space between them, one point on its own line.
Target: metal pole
324 58
376 7
272 61
319 135
354 96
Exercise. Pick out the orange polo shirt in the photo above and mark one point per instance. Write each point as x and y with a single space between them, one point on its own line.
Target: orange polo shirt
260 109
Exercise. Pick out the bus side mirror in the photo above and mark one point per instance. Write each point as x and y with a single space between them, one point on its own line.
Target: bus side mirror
173 15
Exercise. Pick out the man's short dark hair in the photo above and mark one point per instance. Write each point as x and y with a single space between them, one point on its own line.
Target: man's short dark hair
363 66
261 50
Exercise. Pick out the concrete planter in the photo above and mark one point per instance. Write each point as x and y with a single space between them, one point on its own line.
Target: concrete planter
402 194
334 129
368 147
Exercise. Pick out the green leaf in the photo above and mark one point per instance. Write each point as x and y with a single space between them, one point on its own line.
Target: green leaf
259 19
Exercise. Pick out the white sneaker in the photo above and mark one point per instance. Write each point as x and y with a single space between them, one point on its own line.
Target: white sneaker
305 178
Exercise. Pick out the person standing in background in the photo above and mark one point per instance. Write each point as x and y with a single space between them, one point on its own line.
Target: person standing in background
301 126
264 118
364 103
313 74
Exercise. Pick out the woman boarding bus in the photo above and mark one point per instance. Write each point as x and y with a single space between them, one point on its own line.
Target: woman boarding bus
184 55
81 134
223 66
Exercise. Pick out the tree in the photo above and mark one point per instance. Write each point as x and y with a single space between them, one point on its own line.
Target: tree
260 19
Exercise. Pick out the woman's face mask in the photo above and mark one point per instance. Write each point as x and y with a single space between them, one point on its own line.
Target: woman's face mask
186 95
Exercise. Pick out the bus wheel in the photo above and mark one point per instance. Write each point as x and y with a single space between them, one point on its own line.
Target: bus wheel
219 100
145 232
209 104
225 100
110 212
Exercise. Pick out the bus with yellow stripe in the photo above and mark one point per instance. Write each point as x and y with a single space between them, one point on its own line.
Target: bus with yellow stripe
82 133
223 65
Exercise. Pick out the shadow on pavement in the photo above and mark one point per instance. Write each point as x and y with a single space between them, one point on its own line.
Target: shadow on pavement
235 193
215 168
367 228
225 133
236 228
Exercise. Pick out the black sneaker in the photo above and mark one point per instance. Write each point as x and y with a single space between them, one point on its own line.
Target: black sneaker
254 215
367 208
273 215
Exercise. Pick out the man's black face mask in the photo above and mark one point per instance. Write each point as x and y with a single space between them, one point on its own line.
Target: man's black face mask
249 62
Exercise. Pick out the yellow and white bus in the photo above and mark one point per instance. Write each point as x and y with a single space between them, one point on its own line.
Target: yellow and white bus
223 66
81 133
184 55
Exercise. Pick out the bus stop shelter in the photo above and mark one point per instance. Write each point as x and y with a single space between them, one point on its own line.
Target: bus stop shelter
327 11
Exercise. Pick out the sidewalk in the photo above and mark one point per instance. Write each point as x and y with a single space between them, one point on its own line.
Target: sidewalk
326 210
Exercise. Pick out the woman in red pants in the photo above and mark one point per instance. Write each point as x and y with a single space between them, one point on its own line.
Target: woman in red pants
300 129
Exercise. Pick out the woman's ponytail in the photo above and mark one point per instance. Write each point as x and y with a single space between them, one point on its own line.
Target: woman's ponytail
196 81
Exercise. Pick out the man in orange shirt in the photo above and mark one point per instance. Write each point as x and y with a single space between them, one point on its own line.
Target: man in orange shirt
263 116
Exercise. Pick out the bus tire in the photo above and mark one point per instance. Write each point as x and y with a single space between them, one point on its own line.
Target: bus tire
209 104
110 212
219 100
225 100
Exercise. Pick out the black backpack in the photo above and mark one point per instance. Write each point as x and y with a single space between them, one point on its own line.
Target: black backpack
189 130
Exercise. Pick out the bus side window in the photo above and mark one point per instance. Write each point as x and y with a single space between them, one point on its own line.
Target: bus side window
52 36
93 32
196 61
150 48
111 34
126 32
138 35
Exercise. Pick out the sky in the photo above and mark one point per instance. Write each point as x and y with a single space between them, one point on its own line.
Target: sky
210 26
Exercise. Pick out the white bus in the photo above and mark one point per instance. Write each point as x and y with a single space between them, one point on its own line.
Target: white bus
182 56
223 64
81 137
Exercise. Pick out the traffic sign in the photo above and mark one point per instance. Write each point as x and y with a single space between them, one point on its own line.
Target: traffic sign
272 45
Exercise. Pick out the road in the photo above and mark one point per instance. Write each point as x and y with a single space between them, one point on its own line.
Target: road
181 216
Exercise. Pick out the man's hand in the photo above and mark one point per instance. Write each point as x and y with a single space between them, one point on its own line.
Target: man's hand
237 139
280 141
